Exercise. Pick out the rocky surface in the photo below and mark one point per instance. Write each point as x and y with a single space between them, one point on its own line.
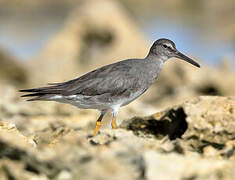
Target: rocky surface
193 140
176 134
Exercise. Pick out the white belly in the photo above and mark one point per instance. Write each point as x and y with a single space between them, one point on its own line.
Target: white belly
88 102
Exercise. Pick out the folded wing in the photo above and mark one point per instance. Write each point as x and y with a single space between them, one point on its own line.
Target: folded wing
113 79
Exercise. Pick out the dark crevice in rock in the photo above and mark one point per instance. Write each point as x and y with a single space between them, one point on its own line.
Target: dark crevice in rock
210 89
95 41
198 144
11 152
101 38
110 139
85 159
8 173
178 147
201 145
92 142
213 144
173 124
51 169
192 177
32 169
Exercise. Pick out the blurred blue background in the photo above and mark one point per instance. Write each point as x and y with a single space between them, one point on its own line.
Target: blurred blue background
202 30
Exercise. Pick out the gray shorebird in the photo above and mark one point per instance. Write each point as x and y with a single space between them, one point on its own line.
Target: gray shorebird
111 86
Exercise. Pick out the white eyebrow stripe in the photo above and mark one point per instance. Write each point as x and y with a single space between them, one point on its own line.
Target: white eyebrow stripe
170 45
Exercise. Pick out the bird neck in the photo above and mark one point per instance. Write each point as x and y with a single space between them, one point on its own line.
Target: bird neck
153 66
155 59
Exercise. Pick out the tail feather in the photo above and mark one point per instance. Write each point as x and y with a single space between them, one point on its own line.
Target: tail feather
47 92
33 94
34 99
44 93
28 90
42 89
55 84
46 97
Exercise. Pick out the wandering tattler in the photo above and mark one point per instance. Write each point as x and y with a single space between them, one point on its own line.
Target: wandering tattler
113 85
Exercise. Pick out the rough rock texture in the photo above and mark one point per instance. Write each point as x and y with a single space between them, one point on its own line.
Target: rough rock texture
193 140
46 140
201 122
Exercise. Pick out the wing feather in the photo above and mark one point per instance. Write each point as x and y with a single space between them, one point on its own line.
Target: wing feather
113 79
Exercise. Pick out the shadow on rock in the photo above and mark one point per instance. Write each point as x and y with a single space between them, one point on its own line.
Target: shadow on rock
172 123
31 163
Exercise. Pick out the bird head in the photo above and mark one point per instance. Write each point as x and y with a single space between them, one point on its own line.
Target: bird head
166 49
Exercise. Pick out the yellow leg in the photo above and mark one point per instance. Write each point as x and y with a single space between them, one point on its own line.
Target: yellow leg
97 126
98 122
114 123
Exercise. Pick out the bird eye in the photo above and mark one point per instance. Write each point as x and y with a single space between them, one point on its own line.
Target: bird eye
165 46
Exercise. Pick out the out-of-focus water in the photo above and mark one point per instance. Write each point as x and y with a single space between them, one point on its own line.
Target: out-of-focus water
191 41
26 38
24 46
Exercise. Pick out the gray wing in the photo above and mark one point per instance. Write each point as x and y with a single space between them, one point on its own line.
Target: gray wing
114 79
